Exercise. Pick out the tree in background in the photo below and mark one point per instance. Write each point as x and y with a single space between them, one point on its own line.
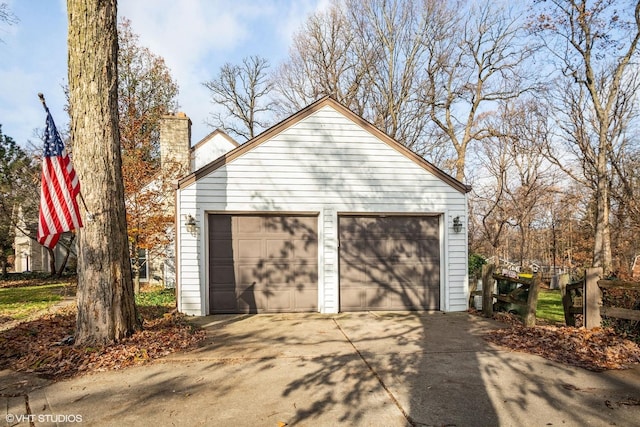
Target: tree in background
369 55
425 73
6 16
146 92
478 61
626 207
105 298
522 129
437 76
595 48
19 180
243 93
322 61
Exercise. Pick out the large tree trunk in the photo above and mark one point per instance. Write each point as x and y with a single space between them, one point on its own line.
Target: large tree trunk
106 308
602 256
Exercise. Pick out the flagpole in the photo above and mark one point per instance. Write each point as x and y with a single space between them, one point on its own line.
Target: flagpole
44 105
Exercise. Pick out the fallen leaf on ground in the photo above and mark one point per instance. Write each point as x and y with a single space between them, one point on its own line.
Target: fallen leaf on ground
37 346
597 349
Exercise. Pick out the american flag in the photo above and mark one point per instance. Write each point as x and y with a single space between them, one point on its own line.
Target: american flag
58 206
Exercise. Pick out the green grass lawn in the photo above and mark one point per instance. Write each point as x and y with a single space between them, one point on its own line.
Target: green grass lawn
18 303
550 306
156 296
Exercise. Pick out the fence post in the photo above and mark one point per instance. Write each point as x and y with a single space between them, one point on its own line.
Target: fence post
567 304
487 289
529 318
592 298
473 287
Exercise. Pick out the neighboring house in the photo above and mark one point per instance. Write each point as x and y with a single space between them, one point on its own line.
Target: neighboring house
31 256
321 213
175 147
177 155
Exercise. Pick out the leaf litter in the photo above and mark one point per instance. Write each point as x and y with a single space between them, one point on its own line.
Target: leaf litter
44 346
597 349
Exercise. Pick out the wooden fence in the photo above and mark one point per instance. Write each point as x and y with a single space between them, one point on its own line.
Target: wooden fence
585 297
523 293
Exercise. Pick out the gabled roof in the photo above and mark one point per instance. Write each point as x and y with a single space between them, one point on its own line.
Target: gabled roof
211 135
306 112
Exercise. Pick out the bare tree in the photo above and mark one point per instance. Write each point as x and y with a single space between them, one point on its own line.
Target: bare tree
520 182
369 55
490 213
423 72
6 16
478 58
325 58
243 93
534 179
594 45
106 309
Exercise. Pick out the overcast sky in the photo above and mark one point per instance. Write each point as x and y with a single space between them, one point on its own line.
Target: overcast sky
195 37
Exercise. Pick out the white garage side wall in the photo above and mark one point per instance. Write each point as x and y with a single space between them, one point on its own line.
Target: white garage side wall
327 164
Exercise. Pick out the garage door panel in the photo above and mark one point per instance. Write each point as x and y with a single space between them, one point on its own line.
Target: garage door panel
306 299
220 226
272 273
247 224
270 263
402 273
410 251
352 298
354 274
372 248
407 297
278 249
375 298
263 271
305 248
249 249
225 299
245 274
304 272
389 263
376 273
225 275
274 225
223 248
277 301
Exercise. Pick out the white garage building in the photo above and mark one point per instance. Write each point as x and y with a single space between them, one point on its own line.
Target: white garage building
321 213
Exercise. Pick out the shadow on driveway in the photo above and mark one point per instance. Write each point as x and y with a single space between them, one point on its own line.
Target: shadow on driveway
364 368
387 369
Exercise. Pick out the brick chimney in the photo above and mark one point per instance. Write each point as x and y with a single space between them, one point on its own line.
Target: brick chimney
175 141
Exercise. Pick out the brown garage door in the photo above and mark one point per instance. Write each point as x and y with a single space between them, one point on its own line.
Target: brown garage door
389 263
262 264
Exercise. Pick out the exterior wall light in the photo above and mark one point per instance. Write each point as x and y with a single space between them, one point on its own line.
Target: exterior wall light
457 224
190 224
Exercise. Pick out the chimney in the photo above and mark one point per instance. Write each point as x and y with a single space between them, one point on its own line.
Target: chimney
175 141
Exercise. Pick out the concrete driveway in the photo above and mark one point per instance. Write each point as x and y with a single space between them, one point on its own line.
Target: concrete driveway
366 369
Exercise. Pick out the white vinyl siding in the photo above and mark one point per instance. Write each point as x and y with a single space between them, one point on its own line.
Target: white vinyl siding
210 149
325 164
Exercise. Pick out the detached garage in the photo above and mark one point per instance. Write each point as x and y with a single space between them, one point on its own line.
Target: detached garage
321 213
